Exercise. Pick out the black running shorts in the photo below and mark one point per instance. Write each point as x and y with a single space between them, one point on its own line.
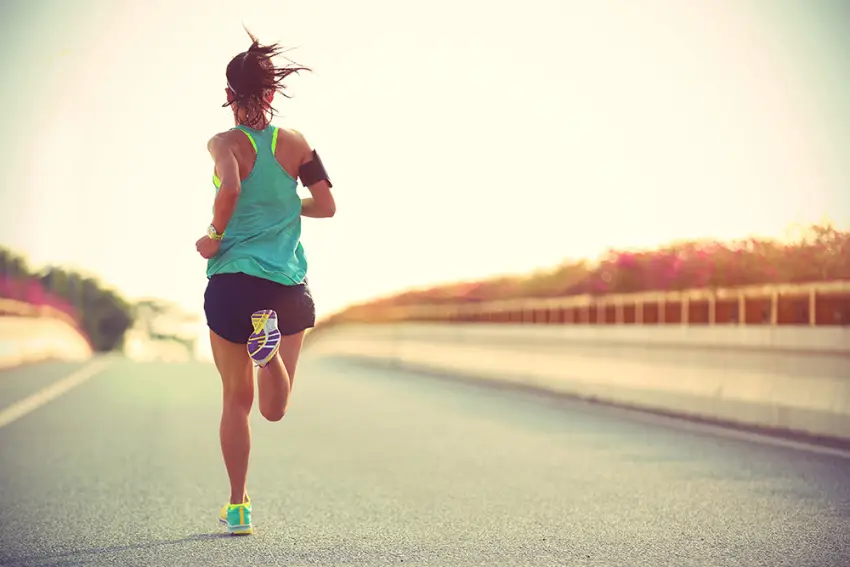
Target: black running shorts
230 299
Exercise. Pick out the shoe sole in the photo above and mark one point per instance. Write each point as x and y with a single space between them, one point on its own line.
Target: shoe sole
263 343
241 530
236 530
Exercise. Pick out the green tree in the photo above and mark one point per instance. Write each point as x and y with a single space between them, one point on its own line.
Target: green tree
101 313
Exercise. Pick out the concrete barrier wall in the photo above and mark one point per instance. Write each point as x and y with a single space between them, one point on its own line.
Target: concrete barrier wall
34 339
793 379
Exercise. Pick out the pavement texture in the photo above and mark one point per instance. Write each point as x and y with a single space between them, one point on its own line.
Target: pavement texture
377 466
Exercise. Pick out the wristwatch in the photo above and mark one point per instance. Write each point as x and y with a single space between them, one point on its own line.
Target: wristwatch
213 234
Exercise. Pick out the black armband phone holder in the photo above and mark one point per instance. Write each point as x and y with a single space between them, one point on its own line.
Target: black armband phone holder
313 171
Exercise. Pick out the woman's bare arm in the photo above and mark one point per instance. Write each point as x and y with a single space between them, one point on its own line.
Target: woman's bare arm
321 203
222 148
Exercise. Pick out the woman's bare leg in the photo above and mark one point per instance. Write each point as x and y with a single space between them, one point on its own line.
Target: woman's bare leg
237 380
274 380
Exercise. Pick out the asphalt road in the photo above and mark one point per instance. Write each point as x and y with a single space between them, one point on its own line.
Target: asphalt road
378 467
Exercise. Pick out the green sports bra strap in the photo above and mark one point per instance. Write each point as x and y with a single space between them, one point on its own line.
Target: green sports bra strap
250 137
274 140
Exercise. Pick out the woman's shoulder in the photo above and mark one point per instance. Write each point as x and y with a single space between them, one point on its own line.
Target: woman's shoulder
227 135
292 134
224 140
294 139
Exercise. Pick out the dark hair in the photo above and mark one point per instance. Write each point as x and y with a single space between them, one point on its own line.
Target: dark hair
252 74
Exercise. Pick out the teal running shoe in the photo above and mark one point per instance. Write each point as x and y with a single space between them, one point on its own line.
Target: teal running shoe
237 518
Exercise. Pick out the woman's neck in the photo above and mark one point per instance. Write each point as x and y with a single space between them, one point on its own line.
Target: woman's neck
254 126
241 120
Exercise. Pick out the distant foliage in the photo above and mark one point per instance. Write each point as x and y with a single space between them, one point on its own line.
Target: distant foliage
821 253
100 313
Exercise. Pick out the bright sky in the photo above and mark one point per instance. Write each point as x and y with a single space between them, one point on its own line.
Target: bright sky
464 138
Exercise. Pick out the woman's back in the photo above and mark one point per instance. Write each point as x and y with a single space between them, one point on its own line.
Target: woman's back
263 237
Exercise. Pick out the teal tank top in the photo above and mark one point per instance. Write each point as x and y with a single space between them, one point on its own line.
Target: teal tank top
263 237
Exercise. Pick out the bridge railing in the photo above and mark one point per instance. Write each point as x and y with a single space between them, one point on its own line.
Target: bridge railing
812 304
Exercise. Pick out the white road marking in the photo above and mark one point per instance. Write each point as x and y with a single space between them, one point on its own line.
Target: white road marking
51 392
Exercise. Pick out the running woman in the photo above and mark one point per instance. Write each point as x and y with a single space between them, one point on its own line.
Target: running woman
257 301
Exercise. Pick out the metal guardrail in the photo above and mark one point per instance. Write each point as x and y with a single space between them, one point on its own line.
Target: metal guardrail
815 303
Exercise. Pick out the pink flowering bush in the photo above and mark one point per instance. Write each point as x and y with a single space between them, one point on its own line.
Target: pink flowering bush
822 253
